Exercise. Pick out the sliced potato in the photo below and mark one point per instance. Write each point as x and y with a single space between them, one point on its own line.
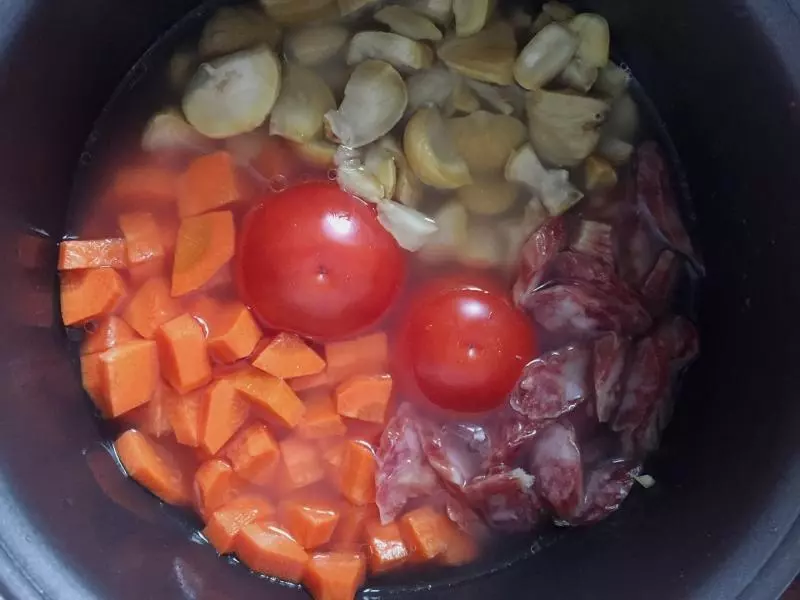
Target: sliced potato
471 15
349 7
408 188
488 55
612 81
484 247
237 28
318 153
545 56
452 220
357 180
494 96
404 21
168 131
431 152
623 120
564 128
598 174
463 99
595 39
375 100
181 67
440 11
553 188
304 100
485 140
401 52
315 44
542 20
233 94
579 76
431 87
298 12
614 150
488 197
558 11
408 226
380 163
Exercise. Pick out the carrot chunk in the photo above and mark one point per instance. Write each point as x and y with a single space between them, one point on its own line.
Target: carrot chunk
352 525
331 452
358 473
335 575
150 307
92 254
272 395
321 419
92 379
109 332
310 523
213 486
184 416
153 466
142 238
460 549
367 355
233 334
223 413
269 550
139 274
130 375
205 244
301 462
209 183
253 453
89 293
288 356
365 397
226 522
205 310
426 532
310 382
387 550
152 418
182 351
135 186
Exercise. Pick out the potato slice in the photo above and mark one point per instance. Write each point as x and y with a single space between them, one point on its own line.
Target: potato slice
579 76
237 28
558 11
452 220
471 15
408 226
357 180
485 140
317 153
595 39
400 52
484 247
304 100
495 97
431 87
233 94
463 99
349 7
553 188
545 56
488 55
598 174
440 11
404 21
315 44
614 150
431 152
298 12
375 100
380 163
408 188
168 131
623 119
612 81
488 197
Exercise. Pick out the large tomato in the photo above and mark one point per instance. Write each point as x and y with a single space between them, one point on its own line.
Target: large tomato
315 260
464 344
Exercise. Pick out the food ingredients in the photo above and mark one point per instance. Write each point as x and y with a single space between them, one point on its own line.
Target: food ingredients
485 140
486 56
545 56
471 15
401 52
553 187
237 28
304 100
488 197
409 227
406 22
593 39
168 131
315 44
431 152
205 244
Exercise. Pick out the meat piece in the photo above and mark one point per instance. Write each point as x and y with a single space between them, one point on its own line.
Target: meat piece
553 384
510 432
505 499
594 239
607 485
610 352
570 266
646 385
458 452
544 244
658 287
636 249
679 340
556 465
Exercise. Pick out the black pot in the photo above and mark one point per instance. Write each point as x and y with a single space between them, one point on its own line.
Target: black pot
722 521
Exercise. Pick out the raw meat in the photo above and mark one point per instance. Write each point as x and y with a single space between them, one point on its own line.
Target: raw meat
556 466
606 487
610 352
595 239
658 288
505 499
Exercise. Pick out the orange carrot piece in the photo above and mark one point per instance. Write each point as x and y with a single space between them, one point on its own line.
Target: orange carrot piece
269 550
209 183
142 238
182 351
253 453
143 185
310 523
225 523
286 356
301 462
152 418
150 307
272 395
205 310
108 332
426 532
310 382
365 397
205 244
358 473
321 419
213 486
367 355
224 412
234 334
92 379
130 375
89 293
387 550
184 414
335 575
352 525
153 467
460 548
92 254
139 274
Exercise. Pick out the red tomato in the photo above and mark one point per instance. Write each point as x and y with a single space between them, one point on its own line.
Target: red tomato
465 345
315 260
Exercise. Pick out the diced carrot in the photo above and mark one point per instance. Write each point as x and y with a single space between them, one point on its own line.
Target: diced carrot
286 356
184 414
152 418
352 523
225 523
92 379
150 307
321 419
310 382
460 548
275 161
205 244
269 550
234 334
92 254
358 473
224 412
387 550
142 238
135 186
182 351
253 453
365 397
139 274
367 355
426 532
168 233
153 467
130 375
108 332
335 575
213 486
310 523
301 461
272 395
205 310
209 183
89 293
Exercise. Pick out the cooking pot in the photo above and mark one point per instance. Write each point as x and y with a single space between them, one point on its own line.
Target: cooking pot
722 521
